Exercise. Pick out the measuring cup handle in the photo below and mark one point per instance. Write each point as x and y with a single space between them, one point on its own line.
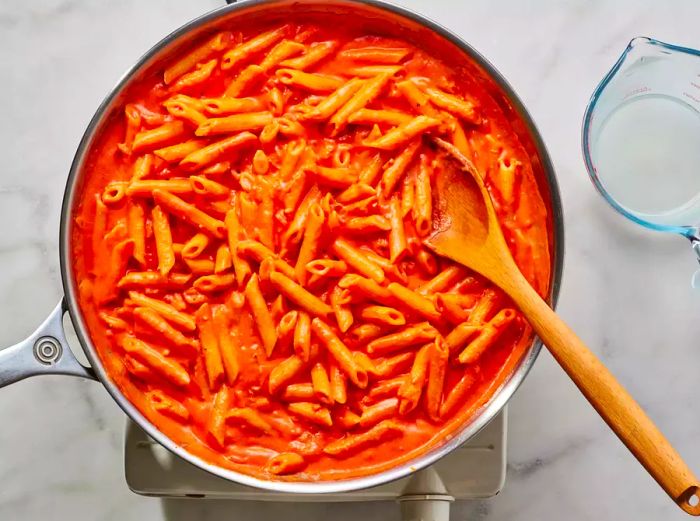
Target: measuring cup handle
45 351
695 244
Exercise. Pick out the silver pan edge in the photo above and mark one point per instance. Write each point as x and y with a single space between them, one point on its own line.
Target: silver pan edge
166 46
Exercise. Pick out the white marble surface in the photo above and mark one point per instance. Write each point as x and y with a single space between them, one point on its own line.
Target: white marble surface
626 291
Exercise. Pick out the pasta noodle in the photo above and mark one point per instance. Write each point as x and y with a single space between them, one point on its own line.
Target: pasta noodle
251 256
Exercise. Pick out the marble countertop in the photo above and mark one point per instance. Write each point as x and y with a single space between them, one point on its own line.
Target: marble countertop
626 291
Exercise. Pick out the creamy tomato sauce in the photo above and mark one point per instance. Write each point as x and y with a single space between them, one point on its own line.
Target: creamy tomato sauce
312 141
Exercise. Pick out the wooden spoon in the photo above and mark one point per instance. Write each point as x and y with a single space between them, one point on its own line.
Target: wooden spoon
467 231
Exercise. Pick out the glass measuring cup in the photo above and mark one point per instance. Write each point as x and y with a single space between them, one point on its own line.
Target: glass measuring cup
641 137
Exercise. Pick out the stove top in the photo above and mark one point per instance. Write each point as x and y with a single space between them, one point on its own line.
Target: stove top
475 470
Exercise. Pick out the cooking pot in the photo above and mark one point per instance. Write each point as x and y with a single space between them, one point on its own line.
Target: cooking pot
46 351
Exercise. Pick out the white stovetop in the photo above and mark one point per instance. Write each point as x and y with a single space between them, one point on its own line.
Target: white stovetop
626 291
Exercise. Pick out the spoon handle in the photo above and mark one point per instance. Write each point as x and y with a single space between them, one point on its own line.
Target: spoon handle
612 401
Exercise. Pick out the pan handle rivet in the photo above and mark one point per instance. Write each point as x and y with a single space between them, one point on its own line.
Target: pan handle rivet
47 350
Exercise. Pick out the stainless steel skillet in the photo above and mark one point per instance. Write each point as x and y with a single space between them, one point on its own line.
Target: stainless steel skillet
46 351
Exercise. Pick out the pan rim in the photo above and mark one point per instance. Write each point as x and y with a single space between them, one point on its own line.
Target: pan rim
470 428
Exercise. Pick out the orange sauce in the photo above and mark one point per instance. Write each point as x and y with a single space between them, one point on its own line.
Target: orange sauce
490 142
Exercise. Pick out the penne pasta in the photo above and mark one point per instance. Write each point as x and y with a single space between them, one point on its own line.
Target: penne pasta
414 301
246 50
285 463
304 80
195 246
159 136
316 52
133 123
310 243
285 328
179 106
212 153
216 424
321 383
167 406
443 280
407 337
153 279
216 44
302 336
405 132
312 412
381 117
365 287
396 168
158 324
387 387
176 153
416 98
233 233
357 260
147 186
335 177
339 299
299 392
398 246
484 307
376 54
339 351
353 442
164 240
383 315
249 246
368 224
365 332
423 208
460 335
261 164
325 268
114 193
301 297
222 260
487 336
199 75
280 52
338 385
209 342
367 92
334 101
458 395
250 76
227 347
453 104
226 106
176 317
213 283
235 123
260 253
284 372
261 313
412 389
137 230
437 367
454 307
383 410
166 368
189 212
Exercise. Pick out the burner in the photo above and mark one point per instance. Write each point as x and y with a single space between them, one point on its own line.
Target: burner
475 470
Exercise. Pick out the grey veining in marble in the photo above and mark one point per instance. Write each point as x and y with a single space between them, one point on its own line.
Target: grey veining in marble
626 291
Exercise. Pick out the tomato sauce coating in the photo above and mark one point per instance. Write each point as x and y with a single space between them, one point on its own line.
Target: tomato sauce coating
248 251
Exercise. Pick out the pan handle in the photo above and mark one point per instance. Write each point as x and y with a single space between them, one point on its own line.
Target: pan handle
46 351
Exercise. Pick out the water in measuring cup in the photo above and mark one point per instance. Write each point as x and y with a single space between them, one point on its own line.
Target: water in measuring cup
648 159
